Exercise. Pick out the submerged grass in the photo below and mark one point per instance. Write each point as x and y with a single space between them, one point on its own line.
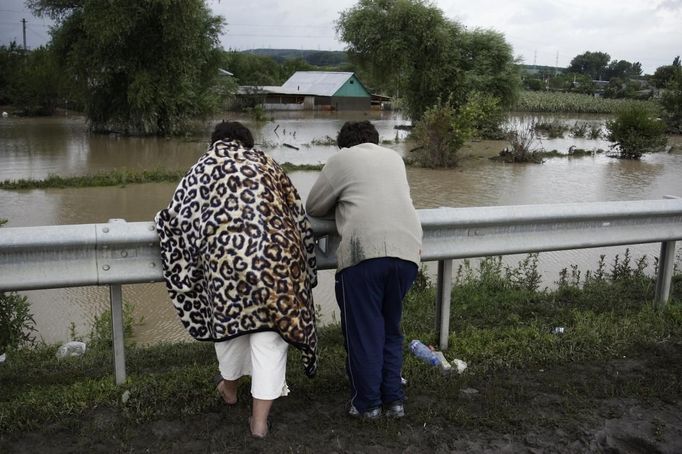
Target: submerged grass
501 322
110 178
120 178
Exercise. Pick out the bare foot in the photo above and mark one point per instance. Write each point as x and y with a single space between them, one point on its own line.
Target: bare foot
228 391
258 429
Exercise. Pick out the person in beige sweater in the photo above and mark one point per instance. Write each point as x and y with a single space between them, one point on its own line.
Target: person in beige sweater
365 187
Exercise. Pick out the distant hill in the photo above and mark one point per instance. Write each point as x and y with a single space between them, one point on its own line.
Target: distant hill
540 69
312 57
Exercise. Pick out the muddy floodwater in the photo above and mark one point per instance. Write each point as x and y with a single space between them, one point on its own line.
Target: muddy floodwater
36 148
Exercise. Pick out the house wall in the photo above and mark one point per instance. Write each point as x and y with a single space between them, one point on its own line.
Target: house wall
352 88
309 103
346 103
278 106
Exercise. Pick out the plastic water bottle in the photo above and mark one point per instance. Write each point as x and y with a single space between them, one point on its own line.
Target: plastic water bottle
423 352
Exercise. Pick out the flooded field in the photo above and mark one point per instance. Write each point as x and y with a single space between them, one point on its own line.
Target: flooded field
36 148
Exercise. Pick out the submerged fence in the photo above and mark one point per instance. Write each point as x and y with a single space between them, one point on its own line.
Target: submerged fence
120 252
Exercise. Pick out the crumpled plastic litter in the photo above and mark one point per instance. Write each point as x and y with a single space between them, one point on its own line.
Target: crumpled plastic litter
460 366
70 349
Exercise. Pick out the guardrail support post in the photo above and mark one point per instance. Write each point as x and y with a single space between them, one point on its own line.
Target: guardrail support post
443 289
116 294
666 262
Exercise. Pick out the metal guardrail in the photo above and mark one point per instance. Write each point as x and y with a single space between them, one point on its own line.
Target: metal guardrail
119 252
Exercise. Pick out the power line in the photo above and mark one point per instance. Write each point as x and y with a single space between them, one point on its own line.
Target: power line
300 26
258 35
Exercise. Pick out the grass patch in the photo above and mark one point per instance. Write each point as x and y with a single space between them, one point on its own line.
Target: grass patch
324 141
110 178
572 153
121 178
289 167
501 325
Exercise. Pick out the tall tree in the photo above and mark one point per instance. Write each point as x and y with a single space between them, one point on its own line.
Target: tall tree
671 99
405 45
36 83
410 47
592 64
11 58
489 66
622 69
142 67
666 74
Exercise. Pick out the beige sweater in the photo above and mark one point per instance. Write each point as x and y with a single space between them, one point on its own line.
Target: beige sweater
367 186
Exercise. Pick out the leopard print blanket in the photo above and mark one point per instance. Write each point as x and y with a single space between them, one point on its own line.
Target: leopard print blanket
238 251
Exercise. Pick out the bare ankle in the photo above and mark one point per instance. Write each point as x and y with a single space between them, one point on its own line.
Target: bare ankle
259 429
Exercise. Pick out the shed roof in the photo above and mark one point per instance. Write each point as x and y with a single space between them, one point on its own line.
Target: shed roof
318 83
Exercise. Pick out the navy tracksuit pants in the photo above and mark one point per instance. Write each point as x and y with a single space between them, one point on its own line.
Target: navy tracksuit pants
370 298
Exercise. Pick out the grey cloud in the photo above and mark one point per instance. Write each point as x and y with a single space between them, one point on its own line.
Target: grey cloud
672 5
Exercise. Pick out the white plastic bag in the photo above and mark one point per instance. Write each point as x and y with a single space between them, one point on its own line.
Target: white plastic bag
73 348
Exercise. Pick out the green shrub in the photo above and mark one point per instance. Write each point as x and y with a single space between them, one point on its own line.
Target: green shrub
101 333
17 326
257 113
485 115
441 132
534 84
635 132
671 103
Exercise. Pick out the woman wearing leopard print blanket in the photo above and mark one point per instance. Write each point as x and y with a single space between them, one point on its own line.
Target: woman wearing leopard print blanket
239 265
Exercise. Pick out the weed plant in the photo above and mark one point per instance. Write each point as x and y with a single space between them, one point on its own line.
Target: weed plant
579 129
17 326
554 129
324 141
526 146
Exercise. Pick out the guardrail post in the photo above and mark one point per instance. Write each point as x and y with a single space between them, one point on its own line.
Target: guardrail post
666 264
116 295
444 290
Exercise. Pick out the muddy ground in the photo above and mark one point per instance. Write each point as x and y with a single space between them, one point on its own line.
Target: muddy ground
629 404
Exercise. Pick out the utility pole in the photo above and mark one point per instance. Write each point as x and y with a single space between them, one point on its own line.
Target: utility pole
23 26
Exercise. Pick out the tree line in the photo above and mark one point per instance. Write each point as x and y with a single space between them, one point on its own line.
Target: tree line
621 78
151 67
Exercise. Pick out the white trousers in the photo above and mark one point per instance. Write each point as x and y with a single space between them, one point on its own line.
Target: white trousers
261 355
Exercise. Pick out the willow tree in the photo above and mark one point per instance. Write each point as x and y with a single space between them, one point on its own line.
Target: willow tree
141 67
409 46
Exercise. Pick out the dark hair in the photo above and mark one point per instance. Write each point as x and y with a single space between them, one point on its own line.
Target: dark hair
232 130
356 132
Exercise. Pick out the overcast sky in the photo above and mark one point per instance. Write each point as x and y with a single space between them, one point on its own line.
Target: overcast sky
540 31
